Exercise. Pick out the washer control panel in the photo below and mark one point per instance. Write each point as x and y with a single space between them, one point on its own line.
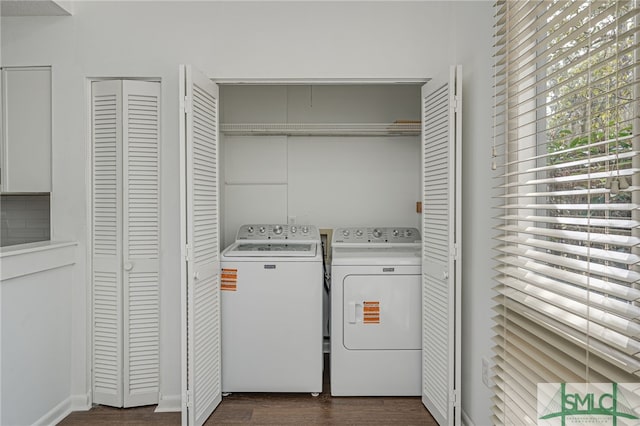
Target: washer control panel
376 235
278 232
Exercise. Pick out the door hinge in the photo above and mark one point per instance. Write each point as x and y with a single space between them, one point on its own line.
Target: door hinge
188 253
186 105
455 401
188 399
455 103
454 252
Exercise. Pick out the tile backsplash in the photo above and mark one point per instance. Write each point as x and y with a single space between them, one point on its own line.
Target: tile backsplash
24 219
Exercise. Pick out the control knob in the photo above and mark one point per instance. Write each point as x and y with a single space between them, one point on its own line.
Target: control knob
377 233
250 229
408 233
277 229
345 232
359 232
305 229
262 229
293 229
395 232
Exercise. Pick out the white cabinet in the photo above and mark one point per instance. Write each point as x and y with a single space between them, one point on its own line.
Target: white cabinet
125 252
26 129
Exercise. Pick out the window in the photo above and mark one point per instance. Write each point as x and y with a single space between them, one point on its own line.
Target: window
568 156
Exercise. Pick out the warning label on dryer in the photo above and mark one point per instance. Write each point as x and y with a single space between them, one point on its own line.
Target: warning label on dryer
229 279
370 312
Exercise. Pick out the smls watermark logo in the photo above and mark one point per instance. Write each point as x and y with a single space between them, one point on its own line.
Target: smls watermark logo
564 404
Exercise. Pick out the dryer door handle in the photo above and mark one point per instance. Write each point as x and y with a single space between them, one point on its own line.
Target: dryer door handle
353 308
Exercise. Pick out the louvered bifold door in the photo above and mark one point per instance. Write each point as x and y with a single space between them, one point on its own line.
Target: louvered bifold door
106 250
201 271
441 146
141 247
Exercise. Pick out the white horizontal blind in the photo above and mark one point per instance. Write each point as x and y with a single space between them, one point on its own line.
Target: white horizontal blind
567 159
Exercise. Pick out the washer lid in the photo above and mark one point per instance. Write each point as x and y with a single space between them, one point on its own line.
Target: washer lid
256 249
376 256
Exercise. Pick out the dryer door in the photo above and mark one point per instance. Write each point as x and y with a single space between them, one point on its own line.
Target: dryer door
382 312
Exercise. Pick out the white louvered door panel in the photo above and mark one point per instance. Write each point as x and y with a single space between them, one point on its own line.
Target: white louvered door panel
107 243
441 153
141 248
201 272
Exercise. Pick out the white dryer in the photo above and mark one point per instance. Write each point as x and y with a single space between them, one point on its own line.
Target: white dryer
271 291
376 312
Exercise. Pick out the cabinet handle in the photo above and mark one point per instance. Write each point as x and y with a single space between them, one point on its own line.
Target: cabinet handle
128 266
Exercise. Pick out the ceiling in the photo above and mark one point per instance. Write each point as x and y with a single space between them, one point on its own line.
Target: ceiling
35 8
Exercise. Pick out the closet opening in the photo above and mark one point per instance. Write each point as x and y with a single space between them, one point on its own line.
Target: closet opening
329 154
324 154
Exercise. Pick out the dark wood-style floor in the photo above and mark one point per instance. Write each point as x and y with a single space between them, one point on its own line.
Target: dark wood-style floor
275 409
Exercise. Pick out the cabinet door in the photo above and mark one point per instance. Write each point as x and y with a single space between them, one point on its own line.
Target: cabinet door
26 123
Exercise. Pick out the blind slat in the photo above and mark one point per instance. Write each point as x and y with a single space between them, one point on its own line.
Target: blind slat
577 221
568 193
572 178
620 290
589 267
563 234
592 207
607 302
578 250
588 311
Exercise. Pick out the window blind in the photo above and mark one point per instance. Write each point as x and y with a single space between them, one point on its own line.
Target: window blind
567 159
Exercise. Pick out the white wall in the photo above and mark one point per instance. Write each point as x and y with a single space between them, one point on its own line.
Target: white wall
327 181
477 218
36 346
252 40
35 335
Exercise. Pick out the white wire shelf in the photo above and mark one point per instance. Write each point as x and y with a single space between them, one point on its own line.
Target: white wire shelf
404 128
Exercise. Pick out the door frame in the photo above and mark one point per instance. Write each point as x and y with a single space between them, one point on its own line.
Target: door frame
317 81
419 82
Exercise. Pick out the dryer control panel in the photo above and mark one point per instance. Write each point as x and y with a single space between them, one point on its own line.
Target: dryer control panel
376 235
261 232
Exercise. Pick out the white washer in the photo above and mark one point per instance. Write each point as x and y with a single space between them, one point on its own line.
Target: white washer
271 289
376 312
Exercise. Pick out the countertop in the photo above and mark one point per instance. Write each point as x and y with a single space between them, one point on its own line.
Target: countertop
31 258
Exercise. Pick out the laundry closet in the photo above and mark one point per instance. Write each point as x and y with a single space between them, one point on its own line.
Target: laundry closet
326 155
323 154
297 157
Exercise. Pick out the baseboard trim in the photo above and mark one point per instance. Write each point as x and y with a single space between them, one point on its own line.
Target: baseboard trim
56 414
169 403
81 402
62 410
466 420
